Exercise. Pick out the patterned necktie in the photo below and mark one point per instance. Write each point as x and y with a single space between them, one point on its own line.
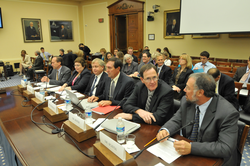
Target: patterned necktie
203 65
194 134
57 75
112 89
148 102
244 77
93 86
44 56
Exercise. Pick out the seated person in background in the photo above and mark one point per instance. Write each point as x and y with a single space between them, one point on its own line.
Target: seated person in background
158 50
59 75
131 51
215 131
45 55
130 66
163 71
25 62
180 76
151 101
145 60
97 80
85 49
153 56
242 73
80 77
224 86
205 64
146 49
38 65
103 52
73 56
165 49
116 50
107 56
80 54
120 55
167 60
67 60
117 86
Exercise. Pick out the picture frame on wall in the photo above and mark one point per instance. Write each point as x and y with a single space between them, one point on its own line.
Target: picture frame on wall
239 35
61 30
32 30
205 36
172 24
151 36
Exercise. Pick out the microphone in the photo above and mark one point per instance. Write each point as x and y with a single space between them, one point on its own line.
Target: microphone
138 154
88 93
110 113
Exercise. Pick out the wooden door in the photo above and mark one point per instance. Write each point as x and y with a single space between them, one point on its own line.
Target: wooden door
132 32
121 32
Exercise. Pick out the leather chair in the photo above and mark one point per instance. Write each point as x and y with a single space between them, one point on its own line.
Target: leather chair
177 105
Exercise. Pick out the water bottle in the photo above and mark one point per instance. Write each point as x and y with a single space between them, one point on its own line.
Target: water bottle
25 79
120 128
68 102
42 90
88 115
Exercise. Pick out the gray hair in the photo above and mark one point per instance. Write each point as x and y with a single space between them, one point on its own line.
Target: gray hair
205 82
100 62
126 56
37 52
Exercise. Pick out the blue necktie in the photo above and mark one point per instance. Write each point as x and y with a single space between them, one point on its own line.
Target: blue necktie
93 86
194 134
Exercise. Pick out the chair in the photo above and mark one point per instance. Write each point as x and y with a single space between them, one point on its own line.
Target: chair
32 59
211 59
221 60
195 61
174 59
239 64
235 69
235 60
175 63
225 64
238 85
177 105
225 69
89 65
172 68
244 61
213 62
38 73
195 57
175 56
228 73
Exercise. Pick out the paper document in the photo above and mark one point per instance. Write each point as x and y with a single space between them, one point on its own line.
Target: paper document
97 122
165 150
243 92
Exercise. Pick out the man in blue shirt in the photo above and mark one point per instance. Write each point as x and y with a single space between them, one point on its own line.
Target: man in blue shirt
204 64
45 55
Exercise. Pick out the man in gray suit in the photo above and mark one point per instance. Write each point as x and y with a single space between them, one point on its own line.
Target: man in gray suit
215 130
59 75
241 71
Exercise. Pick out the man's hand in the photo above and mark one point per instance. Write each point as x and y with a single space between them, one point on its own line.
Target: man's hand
182 147
61 89
124 116
146 116
163 133
45 79
195 68
68 88
92 99
30 67
104 103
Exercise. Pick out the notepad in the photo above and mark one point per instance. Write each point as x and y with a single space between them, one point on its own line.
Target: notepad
104 110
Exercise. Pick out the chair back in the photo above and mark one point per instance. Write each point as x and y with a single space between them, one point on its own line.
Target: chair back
238 85
239 64
225 64
221 59
228 73
225 69
177 105
242 136
248 88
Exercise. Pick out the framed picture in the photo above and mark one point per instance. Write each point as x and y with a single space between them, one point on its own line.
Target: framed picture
151 36
239 35
172 24
61 30
205 36
32 31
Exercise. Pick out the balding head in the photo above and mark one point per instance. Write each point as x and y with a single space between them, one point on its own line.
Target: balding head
215 73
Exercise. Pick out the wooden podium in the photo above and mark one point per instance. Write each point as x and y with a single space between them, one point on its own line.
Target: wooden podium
36 101
77 133
108 158
21 88
28 94
52 116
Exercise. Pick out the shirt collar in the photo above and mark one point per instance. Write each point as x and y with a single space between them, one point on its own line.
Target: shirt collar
117 77
203 107
99 76
151 93
59 69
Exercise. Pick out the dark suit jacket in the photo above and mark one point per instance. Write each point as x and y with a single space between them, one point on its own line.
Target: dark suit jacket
239 73
30 32
218 133
133 68
175 30
38 64
81 82
123 89
67 60
63 32
63 77
161 103
227 90
165 74
135 58
99 87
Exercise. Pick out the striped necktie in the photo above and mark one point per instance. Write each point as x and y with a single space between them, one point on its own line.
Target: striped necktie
93 86
194 134
57 75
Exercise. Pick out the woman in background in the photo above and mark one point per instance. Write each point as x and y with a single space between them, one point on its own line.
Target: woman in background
103 52
108 55
120 55
130 66
25 62
165 49
167 61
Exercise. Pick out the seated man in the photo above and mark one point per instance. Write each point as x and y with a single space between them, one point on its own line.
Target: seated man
117 86
224 86
45 55
151 101
205 64
242 73
146 58
130 52
38 65
96 83
59 75
164 71
215 129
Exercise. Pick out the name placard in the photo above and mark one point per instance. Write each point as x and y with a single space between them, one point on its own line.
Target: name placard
30 89
23 83
52 106
39 96
77 121
113 146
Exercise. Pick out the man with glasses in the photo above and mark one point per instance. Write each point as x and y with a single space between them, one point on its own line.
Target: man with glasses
145 60
204 64
151 101
118 86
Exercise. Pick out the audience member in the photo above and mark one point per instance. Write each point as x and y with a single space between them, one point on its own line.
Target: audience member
163 71
153 57
120 55
158 50
67 60
130 66
224 86
165 49
215 129
73 56
107 56
116 50
59 75
145 60
79 78
103 52
85 50
131 51
180 76
25 62
242 73
80 53
45 55
151 101
205 64
145 49
38 65
167 61
118 86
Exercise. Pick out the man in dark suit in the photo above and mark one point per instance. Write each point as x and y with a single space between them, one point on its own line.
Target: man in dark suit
224 86
67 59
85 49
59 75
131 51
31 33
164 71
173 29
151 101
215 130
241 71
38 64
117 86
96 83
63 33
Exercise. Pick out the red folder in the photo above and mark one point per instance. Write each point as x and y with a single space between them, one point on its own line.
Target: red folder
104 110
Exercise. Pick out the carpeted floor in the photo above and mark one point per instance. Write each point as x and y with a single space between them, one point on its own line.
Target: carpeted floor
12 81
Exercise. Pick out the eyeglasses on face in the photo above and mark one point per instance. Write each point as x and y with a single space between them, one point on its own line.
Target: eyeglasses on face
155 78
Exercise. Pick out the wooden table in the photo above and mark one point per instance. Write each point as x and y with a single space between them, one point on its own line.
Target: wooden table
35 145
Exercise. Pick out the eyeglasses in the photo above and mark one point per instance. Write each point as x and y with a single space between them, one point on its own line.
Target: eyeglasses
77 65
155 78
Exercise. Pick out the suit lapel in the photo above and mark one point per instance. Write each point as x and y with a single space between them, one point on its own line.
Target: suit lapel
118 85
189 117
60 75
144 96
107 85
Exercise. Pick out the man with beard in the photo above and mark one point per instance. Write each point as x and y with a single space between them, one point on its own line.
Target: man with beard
214 132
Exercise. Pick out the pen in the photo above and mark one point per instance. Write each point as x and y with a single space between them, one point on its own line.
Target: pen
150 142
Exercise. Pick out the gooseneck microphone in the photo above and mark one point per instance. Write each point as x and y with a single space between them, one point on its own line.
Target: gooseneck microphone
138 154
